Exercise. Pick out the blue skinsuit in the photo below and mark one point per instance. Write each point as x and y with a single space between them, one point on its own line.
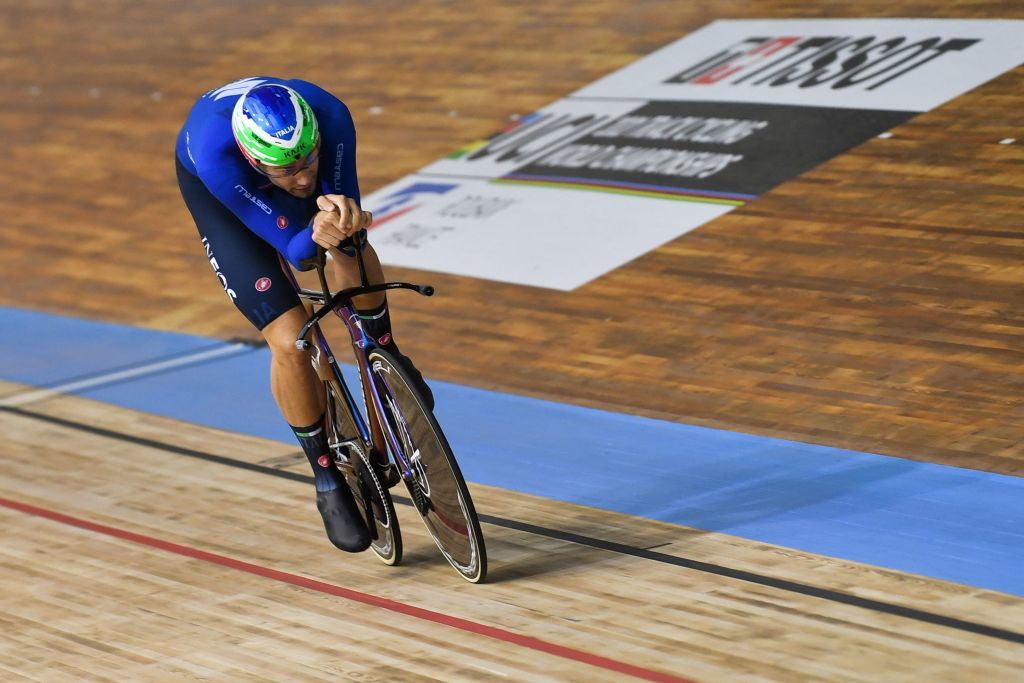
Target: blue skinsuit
244 221
206 148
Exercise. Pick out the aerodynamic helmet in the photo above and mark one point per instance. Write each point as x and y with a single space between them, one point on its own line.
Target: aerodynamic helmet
274 125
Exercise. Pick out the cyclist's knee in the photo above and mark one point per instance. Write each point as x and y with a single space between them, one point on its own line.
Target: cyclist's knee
281 333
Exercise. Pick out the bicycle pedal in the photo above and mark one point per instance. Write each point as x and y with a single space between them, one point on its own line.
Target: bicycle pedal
343 452
341 459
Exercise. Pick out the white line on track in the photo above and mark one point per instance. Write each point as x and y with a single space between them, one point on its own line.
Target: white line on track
92 382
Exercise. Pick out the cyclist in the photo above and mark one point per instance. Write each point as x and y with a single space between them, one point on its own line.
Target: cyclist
267 168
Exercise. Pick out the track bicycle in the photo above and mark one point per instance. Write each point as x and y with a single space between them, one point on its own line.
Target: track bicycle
394 421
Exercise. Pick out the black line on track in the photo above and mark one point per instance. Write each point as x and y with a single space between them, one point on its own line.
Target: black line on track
159 445
579 539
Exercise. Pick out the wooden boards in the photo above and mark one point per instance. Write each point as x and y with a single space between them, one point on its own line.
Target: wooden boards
81 602
872 303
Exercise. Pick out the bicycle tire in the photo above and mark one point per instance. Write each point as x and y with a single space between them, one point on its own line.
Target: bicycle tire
437 487
372 497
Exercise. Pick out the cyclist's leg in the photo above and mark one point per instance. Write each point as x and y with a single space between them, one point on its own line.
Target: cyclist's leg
346 270
373 308
294 383
299 395
251 273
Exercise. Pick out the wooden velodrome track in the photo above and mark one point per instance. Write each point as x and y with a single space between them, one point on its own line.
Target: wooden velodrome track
885 317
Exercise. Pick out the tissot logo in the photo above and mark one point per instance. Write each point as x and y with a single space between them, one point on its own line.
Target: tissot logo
839 62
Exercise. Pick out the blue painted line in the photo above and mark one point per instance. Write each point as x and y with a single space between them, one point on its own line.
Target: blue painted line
45 350
945 522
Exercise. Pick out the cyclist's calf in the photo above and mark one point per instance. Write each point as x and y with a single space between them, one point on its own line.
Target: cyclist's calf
293 381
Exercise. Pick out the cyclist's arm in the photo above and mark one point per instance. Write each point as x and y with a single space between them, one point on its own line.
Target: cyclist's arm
345 179
338 131
237 191
340 184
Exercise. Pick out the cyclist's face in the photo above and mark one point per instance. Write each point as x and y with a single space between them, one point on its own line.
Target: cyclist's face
298 179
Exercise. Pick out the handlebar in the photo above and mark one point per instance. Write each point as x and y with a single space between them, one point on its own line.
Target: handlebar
346 295
318 261
332 302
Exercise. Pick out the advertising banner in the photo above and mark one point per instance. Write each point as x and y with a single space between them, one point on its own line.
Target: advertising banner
674 140
909 65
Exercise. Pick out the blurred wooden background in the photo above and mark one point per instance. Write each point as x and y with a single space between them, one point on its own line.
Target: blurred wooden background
874 303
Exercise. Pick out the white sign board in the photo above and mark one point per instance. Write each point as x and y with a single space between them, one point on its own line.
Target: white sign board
674 140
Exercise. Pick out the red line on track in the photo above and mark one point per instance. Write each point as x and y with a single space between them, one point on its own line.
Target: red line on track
354 595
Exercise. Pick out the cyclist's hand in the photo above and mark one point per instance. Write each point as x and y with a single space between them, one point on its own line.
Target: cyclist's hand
339 218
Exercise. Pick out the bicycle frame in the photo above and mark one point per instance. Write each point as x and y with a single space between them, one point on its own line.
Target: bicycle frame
396 419
341 305
324 351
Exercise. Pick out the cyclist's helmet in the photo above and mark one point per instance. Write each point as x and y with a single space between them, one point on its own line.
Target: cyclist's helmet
274 125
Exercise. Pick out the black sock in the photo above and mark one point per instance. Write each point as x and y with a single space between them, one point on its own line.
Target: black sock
313 440
377 323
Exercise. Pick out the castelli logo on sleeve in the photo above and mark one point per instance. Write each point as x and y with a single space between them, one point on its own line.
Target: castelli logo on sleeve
282 222
323 461
254 199
385 339
263 284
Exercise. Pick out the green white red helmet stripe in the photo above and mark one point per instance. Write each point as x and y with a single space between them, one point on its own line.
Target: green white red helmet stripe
275 147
